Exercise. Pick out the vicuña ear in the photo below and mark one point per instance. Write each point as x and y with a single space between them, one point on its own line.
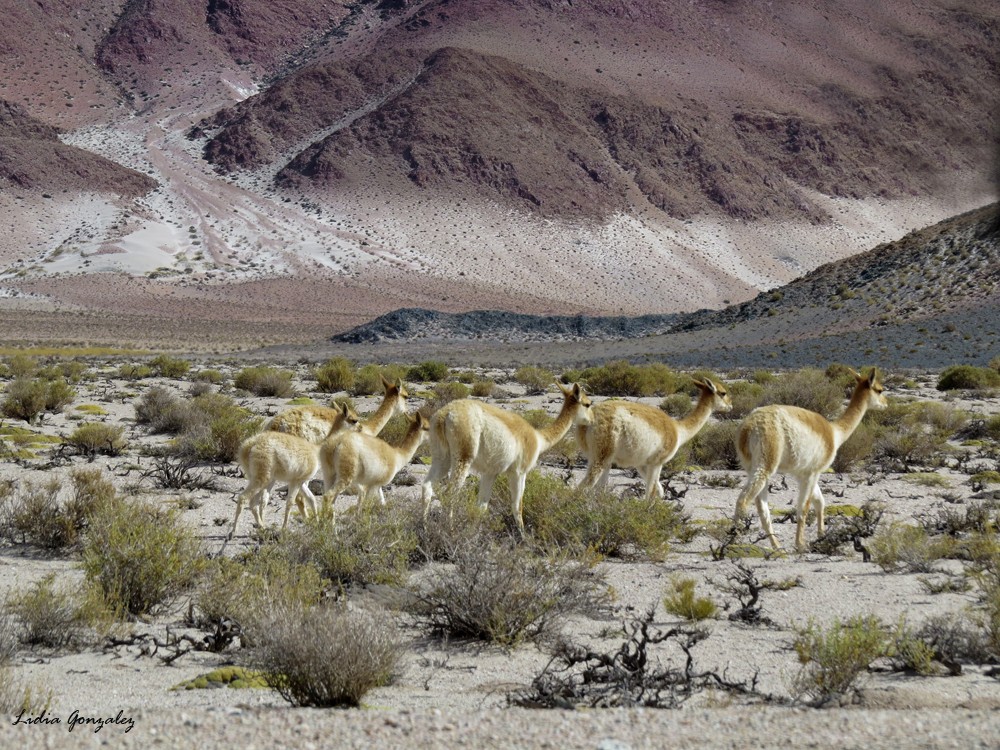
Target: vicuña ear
385 383
565 390
577 391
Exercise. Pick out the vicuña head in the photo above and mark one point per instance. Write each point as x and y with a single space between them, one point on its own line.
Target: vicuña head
469 435
641 436
802 443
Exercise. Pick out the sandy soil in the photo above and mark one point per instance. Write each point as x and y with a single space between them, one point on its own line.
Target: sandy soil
449 693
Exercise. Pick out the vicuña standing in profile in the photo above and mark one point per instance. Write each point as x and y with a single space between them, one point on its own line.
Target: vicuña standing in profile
313 422
641 436
801 443
365 463
469 435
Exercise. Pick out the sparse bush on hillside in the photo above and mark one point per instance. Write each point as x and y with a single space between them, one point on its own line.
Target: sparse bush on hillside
209 376
483 388
264 381
33 514
960 377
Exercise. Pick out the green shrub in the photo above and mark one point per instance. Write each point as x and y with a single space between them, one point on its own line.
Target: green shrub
170 367
21 366
49 616
163 411
534 379
210 427
247 588
326 656
483 388
619 378
676 405
561 517
140 556
209 376
264 381
959 377
367 381
833 659
746 396
366 548
27 399
93 438
807 388
335 375
714 447
908 548
430 371
504 594
681 601
132 371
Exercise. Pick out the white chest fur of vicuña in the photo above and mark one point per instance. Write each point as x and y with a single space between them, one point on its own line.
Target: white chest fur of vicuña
499 439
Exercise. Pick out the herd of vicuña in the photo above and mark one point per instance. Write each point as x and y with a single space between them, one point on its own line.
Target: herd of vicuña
468 435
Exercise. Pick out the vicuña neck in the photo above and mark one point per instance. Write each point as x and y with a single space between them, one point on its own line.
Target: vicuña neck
695 419
378 420
847 422
553 433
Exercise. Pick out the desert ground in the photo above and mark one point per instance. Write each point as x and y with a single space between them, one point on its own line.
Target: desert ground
450 691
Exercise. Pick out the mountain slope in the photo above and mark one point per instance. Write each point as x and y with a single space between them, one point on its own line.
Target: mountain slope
343 159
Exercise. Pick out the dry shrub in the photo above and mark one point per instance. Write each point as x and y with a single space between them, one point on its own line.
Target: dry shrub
50 616
210 427
33 513
132 371
483 388
833 659
430 371
676 405
27 399
170 367
909 548
962 377
363 548
326 656
534 379
504 593
620 378
807 388
93 438
335 375
140 556
264 381
680 600
714 447
248 588
558 516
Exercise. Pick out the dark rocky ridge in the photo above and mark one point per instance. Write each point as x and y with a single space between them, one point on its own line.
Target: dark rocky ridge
418 323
